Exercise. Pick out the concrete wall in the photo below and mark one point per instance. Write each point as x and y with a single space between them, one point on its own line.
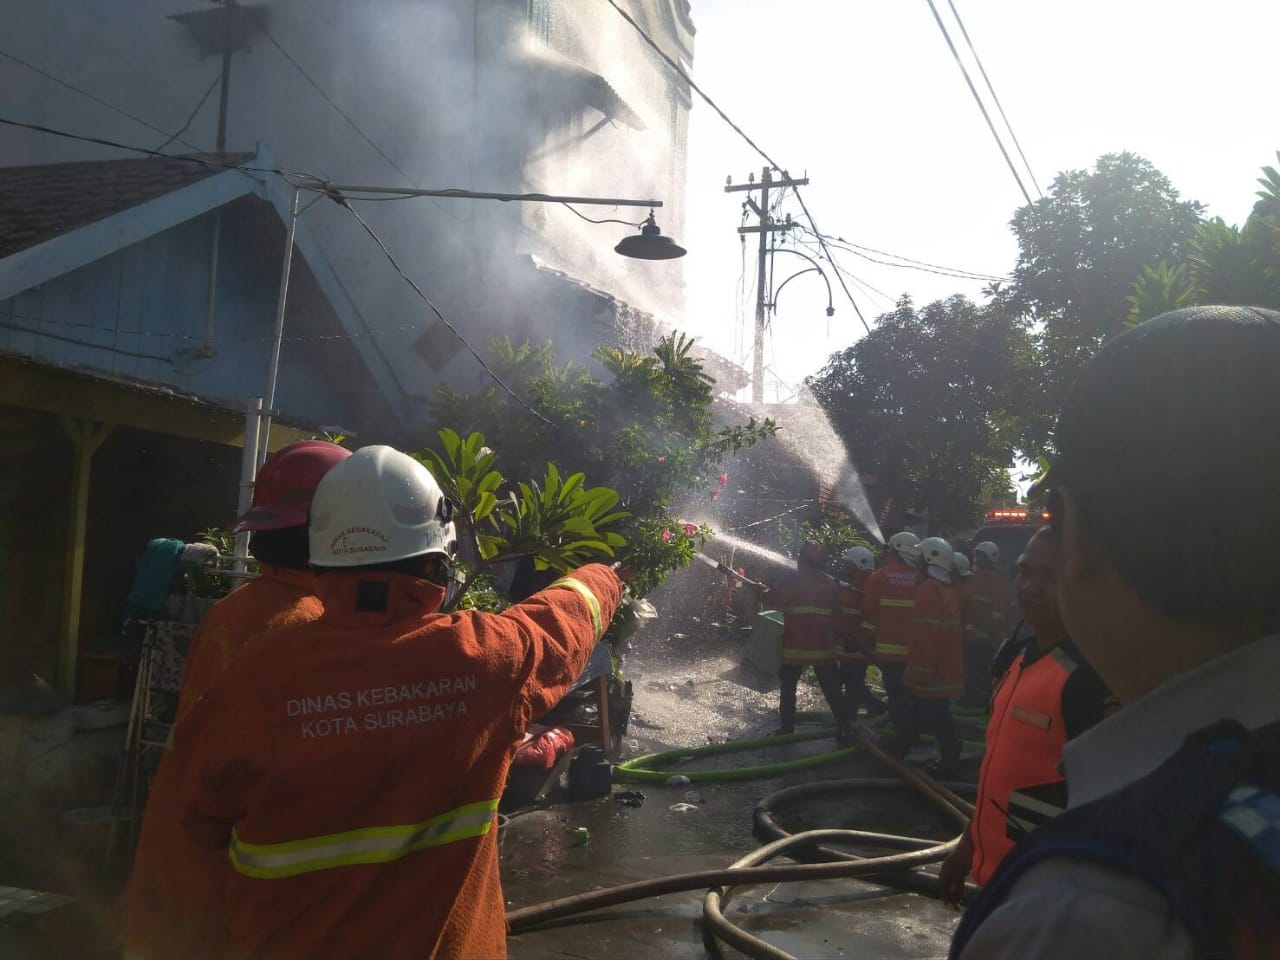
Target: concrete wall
449 91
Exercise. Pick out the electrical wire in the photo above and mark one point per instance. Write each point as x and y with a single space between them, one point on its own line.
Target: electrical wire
94 97
206 161
995 97
341 201
978 100
85 343
680 72
217 78
907 262
350 122
583 216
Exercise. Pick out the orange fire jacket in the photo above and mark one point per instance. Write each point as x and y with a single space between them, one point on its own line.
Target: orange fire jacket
808 604
277 598
350 768
935 661
986 598
169 871
887 609
853 643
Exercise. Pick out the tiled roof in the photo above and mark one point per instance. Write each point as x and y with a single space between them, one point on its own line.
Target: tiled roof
40 202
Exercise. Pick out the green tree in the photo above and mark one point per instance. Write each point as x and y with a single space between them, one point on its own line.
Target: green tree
1222 264
642 427
932 399
1081 248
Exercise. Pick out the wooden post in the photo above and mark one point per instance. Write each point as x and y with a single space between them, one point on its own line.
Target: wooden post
86 437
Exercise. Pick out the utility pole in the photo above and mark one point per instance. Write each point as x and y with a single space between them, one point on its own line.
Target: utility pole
766 227
224 93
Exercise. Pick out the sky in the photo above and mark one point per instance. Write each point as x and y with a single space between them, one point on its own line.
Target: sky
864 97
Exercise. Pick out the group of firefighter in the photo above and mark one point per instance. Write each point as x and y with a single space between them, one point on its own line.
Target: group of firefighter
927 617
331 787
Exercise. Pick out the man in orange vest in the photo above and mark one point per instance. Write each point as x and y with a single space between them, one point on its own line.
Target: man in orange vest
808 603
986 600
167 866
934 674
350 767
887 611
1046 695
854 652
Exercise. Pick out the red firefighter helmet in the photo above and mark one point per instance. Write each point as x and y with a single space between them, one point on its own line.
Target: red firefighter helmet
286 483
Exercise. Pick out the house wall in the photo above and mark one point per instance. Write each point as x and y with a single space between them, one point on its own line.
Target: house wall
443 89
141 313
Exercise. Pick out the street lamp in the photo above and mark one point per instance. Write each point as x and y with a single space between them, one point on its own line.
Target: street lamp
831 310
649 244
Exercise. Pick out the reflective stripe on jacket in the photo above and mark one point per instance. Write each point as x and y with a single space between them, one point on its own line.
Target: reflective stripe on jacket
887 609
852 643
808 603
174 901
935 657
347 769
1025 737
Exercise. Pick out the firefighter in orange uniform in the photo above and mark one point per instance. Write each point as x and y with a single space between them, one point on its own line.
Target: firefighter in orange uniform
854 650
166 866
934 674
808 603
887 609
350 767
985 603
1046 695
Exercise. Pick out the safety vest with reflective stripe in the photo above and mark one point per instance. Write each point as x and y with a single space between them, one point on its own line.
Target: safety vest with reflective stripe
808 603
271 861
887 609
852 642
935 657
1025 737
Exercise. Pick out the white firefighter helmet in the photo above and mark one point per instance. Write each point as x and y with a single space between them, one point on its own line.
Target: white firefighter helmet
382 506
961 563
860 558
907 545
988 551
936 552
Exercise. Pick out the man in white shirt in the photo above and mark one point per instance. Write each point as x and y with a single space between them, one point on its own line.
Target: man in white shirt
1170 846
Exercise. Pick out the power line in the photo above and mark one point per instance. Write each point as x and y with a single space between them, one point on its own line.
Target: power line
909 264
994 96
436 310
94 97
347 117
978 100
217 78
680 72
205 161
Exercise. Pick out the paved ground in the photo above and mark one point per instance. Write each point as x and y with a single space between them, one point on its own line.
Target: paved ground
690 690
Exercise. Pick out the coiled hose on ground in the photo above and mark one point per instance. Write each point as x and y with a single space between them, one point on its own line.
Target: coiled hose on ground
750 869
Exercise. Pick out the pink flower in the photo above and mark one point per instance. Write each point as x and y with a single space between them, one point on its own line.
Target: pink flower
666 536
723 479
690 530
662 459
715 494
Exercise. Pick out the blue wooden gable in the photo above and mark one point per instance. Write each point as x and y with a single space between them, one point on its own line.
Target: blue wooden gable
126 293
